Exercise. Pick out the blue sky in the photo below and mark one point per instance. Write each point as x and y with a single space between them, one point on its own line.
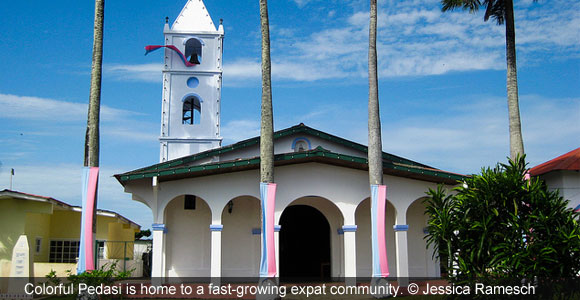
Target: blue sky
442 83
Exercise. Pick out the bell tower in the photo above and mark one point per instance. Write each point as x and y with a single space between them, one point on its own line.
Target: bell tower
192 82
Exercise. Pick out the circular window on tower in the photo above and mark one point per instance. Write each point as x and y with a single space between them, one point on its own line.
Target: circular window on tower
192 82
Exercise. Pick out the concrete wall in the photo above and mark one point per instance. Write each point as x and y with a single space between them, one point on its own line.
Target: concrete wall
335 191
13 215
38 226
237 235
284 145
421 263
39 219
120 237
363 239
42 269
188 239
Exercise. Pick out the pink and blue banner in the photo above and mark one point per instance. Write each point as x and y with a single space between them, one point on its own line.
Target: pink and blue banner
90 180
378 234
268 202
152 48
577 209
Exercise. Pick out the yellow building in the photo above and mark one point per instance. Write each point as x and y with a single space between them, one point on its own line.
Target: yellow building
52 228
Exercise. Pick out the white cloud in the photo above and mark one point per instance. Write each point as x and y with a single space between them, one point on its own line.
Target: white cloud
34 108
139 72
237 130
242 69
43 122
415 39
475 134
301 3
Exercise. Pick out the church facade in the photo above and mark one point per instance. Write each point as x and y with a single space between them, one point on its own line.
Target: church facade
205 198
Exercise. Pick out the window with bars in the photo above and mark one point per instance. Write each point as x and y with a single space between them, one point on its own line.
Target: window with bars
63 251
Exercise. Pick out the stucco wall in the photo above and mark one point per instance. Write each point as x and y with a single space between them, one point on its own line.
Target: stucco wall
40 219
363 239
188 239
284 145
309 183
421 263
241 247
38 226
42 269
13 223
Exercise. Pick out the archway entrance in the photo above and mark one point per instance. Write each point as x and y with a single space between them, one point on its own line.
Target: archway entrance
304 244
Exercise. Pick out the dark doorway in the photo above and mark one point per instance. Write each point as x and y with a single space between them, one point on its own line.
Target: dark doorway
304 244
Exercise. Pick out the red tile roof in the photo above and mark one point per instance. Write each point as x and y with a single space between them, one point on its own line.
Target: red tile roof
568 161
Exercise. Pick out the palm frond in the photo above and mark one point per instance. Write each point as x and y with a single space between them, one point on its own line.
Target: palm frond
471 5
495 9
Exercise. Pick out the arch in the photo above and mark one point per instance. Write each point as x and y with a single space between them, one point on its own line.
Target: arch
363 238
188 240
326 207
241 237
193 50
301 144
334 217
305 251
191 113
421 263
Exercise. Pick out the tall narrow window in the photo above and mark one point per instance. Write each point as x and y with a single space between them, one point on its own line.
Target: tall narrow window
37 245
193 50
191 110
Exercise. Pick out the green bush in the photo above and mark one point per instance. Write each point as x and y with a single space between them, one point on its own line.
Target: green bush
105 276
499 226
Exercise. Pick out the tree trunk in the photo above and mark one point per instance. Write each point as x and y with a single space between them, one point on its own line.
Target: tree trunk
92 134
267 122
515 128
375 149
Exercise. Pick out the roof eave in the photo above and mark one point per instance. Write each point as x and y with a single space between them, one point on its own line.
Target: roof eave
432 175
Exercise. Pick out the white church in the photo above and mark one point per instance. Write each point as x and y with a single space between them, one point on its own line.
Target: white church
205 197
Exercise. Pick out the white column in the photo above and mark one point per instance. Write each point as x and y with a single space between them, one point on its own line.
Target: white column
402 254
158 259
216 251
349 251
277 246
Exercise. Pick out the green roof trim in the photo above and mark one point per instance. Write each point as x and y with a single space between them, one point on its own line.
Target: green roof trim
288 158
300 128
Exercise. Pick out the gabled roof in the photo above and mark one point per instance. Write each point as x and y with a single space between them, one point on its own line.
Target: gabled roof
300 128
193 17
183 168
568 161
25 196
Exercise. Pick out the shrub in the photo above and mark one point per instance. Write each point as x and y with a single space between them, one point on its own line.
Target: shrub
499 226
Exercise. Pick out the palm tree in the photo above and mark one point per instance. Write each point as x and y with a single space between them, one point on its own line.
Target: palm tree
380 266
503 12
267 122
92 133
267 186
375 149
